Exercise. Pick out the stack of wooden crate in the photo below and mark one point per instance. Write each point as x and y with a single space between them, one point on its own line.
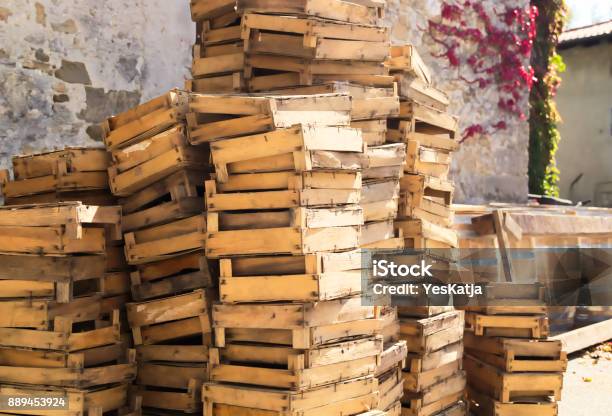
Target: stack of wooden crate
159 177
73 174
429 131
56 339
434 382
284 220
249 45
512 368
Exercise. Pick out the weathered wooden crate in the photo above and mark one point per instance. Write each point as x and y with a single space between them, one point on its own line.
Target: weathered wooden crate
414 89
319 148
346 398
207 9
41 176
216 117
294 369
483 405
417 382
367 103
517 355
394 355
512 387
172 353
420 116
64 336
91 197
171 380
138 166
380 235
172 276
428 198
358 12
300 325
166 241
436 399
178 196
93 367
171 318
145 120
218 84
171 400
269 72
390 389
406 59
278 190
431 334
421 363
313 38
374 132
305 282
295 231
422 234
81 402
513 326
379 199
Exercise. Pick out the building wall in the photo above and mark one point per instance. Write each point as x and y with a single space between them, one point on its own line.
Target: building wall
585 103
68 64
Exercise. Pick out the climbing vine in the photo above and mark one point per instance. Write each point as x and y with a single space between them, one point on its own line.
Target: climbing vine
489 45
544 135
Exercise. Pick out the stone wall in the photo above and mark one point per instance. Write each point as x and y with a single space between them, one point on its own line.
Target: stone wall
485 168
67 64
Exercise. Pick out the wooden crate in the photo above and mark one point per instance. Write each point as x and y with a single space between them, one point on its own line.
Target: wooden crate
367 103
283 190
517 355
300 325
394 355
294 369
390 389
428 198
295 231
359 12
373 132
380 235
379 199
166 241
88 368
303 280
206 9
290 72
416 382
169 379
384 161
80 402
422 311
414 89
92 197
483 405
346 398
64 336
437 398
423 117
73 169
420 363
512 387
431 334
422 234
172 276
171 400
217 117
405 59
178 196
312 38
145 120
171 318
141 165
321 148
513 326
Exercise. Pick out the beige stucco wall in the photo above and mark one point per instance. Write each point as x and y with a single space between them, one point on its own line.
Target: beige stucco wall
67 64
585 103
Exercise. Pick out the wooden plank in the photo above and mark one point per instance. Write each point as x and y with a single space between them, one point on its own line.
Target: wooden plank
585 337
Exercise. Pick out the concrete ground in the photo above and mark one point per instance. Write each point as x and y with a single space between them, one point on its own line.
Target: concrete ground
587 387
